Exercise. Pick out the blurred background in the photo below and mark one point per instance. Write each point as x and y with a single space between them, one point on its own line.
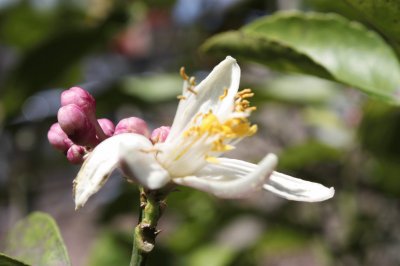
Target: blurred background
128 55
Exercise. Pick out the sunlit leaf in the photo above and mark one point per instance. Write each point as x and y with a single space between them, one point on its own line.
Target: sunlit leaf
36 240
325 45
382 14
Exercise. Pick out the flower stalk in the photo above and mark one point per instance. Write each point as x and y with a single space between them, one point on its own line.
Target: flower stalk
152 204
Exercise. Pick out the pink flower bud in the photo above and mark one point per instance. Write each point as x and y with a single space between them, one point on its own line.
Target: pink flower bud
80 98
58 139
132 125
160 134
75 123
107 126
85 101
75 154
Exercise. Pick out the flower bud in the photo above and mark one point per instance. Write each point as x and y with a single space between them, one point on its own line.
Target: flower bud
80 98
160 134
58 139
75 123
75 154
107 126
132 125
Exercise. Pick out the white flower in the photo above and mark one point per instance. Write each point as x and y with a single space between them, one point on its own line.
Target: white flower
211 118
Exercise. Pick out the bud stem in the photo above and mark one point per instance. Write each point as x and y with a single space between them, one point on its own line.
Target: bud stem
152 204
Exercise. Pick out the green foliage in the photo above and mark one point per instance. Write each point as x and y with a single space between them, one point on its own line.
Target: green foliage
7 261
52 57
298 89
36 240
111 248
325 45
384 15
211 255
310 153
153 89
380 129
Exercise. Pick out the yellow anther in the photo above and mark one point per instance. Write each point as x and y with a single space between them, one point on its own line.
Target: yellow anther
247 95
181 97
211 159
244 91
221 97
192 81
183 73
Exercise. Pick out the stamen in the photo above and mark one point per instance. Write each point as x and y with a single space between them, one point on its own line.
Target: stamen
221 97
211 159
192 90
192 81
183 73
181 97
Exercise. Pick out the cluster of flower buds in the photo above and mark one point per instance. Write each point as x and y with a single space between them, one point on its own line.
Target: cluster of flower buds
78 130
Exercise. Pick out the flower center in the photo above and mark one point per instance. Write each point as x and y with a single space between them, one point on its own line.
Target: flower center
208 137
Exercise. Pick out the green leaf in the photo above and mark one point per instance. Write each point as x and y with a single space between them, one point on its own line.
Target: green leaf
110 249
7 261
300 89
211 255
154 88
384 15
36 240
325 45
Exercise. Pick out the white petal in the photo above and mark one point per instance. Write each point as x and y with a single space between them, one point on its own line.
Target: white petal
292 188
226 75
144 168
231 178
102 161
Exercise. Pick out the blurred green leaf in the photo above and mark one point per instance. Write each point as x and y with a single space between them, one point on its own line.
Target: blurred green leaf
110 249
384 15
48 61
380 130
280 241
7 261
211 255
297 157
298 89
153 88
36 240
385 176
325 45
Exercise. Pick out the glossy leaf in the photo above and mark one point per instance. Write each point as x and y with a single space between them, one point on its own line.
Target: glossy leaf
325 45
384 15
8 261
36 240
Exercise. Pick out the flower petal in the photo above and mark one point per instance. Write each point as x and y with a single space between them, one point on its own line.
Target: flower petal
231 178
102 161
292 188
144 168
207 96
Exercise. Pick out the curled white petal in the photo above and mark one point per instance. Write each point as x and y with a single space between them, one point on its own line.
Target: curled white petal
206 96
144 168
231 178
102 161
292 188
